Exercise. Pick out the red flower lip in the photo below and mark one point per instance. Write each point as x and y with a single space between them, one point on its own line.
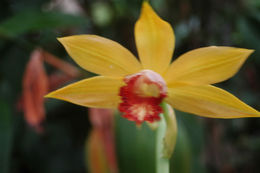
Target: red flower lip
142 96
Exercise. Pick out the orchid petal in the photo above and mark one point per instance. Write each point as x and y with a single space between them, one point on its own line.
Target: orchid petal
154 40
209 101
100 55
206 65
97 92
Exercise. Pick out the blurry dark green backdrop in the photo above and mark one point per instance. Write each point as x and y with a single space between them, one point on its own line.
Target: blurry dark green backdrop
203 146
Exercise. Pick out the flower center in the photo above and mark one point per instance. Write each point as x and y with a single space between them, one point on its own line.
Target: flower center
141 96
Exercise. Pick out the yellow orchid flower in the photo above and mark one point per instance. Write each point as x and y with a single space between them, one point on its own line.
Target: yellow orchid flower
137 88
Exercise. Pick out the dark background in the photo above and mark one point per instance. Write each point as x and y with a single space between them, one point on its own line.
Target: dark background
204 145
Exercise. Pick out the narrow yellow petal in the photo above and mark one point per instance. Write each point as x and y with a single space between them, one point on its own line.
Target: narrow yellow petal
100 55
97 92
206 65
209 101
154 40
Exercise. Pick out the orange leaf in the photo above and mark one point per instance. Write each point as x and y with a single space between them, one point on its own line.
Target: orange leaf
103 123
96 157
35 86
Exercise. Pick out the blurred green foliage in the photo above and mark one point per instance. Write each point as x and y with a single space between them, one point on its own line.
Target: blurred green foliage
5 136
203 145
30 21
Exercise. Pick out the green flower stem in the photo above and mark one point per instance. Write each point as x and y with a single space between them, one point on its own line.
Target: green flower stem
162 163
165 139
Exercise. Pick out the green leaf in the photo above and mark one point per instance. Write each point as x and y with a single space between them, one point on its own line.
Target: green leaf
190 144
36 20
248 28
135 147
5 137
181 160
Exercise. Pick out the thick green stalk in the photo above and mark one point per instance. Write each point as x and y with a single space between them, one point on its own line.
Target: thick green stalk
162 163
165 139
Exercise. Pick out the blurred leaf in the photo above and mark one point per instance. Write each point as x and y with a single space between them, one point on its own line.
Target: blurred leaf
190 142
249 32
5 136
101 153
182 157
36 20
248 27
135 147
125 8
96 155
254 3
35 86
